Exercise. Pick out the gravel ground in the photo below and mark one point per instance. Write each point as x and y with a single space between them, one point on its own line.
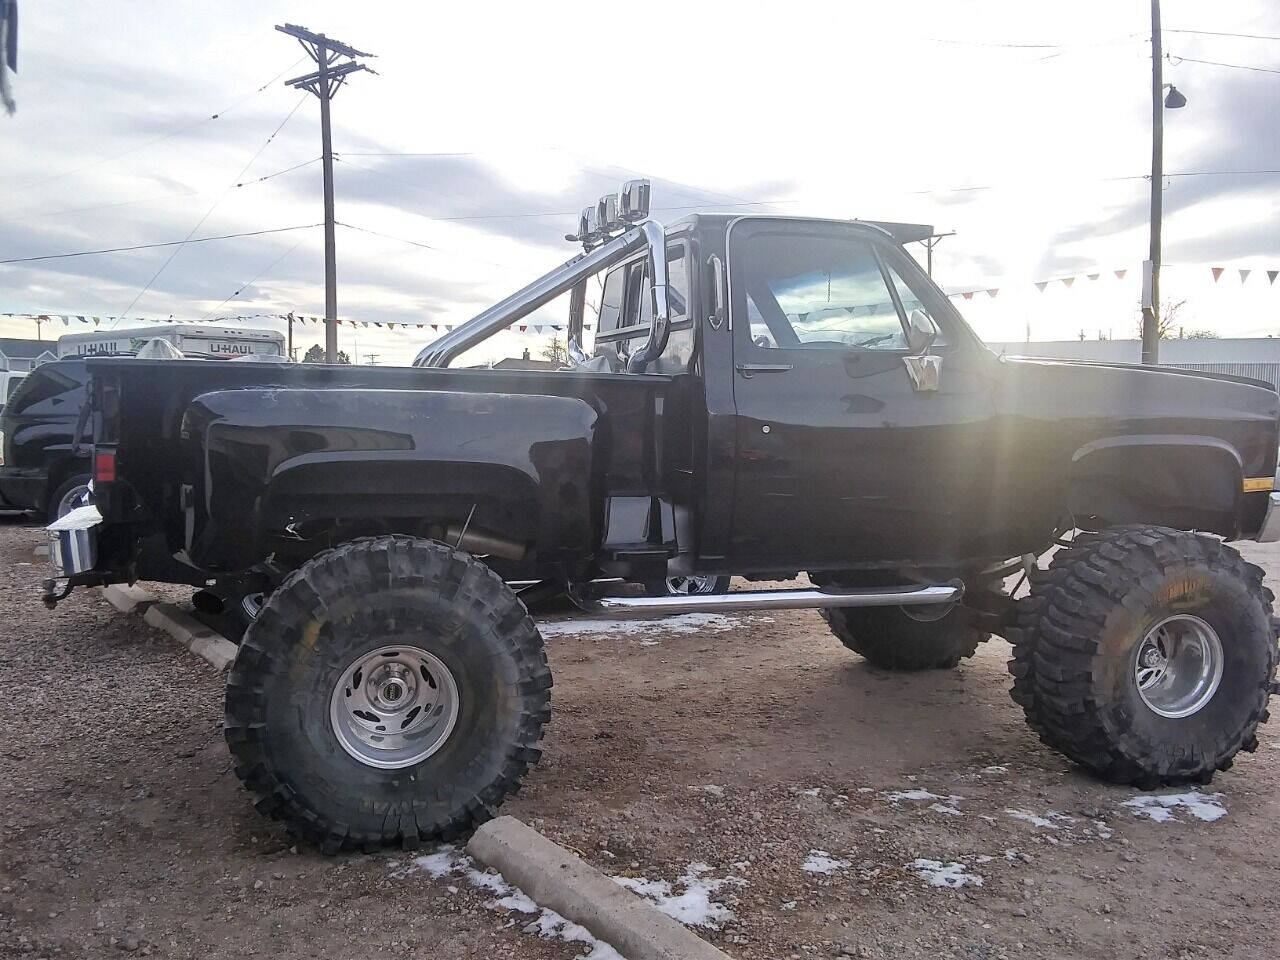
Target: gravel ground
722 757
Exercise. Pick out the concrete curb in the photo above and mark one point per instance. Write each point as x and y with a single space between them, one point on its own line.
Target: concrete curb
558 879
192 634
126 597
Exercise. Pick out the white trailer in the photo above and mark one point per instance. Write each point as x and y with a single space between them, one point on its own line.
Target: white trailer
215 343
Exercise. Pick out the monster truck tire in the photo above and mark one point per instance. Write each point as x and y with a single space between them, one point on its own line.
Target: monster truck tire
892 638
393 620
1117 597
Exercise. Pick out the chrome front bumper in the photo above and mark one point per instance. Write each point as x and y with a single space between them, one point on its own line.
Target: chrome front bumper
1270 530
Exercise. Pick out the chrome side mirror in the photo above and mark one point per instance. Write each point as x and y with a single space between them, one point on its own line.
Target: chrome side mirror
924 368
922 332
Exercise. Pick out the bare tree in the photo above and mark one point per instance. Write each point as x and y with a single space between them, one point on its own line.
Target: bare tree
1168 327
555 350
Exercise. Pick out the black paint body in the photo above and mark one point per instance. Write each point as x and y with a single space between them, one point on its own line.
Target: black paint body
829 461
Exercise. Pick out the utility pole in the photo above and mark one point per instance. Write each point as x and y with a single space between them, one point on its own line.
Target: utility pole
324 83
929 244
289 350
1151 298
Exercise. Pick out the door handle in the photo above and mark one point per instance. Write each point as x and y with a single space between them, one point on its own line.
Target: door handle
750 369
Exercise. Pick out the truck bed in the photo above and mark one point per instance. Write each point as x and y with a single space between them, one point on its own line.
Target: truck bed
351 443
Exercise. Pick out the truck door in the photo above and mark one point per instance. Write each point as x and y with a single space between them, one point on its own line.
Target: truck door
840 459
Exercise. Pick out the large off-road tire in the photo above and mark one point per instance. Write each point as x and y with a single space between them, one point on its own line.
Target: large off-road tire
1146 654
320 698
895 638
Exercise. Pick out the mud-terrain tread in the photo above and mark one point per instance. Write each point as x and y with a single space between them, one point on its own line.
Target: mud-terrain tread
1054 639
889 639
431 563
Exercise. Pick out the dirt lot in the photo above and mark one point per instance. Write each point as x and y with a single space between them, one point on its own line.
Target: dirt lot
754 746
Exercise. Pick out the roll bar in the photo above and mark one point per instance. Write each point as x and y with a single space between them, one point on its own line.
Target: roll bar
444 350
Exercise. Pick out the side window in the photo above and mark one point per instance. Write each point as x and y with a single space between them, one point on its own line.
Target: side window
816 291
626 311
611 301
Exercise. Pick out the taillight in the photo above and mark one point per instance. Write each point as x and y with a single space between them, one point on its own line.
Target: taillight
104 466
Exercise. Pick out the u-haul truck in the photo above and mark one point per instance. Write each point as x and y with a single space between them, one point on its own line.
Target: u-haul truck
215 343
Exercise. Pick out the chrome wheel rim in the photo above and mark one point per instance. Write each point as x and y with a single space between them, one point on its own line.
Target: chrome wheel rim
690 586
394 707
251 604
1178 666
75 497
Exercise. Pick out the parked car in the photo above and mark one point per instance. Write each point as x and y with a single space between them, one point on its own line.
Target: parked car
769 395
41 470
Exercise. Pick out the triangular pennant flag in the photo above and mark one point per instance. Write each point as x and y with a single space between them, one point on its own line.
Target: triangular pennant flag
95 321
375 323
1244 275
993 291
65 321
1094 276
1120 274
1271 276
523 327
1041 285
968 294
366 323
1217 272
1068 280
81 319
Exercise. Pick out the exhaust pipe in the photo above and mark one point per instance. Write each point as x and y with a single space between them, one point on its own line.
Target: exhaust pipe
476 541
627 608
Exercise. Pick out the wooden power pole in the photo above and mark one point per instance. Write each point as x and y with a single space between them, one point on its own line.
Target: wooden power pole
335 61
1151 296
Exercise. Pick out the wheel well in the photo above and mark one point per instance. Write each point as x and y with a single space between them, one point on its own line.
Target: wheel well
1188 486
62 471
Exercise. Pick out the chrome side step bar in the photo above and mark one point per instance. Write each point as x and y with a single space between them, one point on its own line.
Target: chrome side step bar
627 608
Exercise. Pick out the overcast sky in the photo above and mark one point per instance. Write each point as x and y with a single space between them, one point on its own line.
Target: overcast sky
1008 122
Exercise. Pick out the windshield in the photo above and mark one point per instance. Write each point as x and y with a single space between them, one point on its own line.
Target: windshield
13 386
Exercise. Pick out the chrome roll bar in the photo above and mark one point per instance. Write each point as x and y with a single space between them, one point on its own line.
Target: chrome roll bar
444 350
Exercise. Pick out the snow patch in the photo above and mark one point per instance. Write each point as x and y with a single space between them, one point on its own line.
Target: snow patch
712 788
1051 820
995 770
819 861
447 861
1160 807
946 808
938 874
693 906
683 623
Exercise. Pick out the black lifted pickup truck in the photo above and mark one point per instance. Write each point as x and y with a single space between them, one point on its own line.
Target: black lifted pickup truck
768 396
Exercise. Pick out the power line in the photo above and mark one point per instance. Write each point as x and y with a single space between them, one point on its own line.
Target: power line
261 273
1219 33
160 139
278 173
214 206
1217 63
152 246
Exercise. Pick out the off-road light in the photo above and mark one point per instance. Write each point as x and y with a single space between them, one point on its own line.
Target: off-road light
633 201
607 213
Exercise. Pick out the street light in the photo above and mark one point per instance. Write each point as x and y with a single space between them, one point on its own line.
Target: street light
1174 98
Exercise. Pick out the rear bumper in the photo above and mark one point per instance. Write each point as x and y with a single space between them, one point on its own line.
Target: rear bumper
1269 532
